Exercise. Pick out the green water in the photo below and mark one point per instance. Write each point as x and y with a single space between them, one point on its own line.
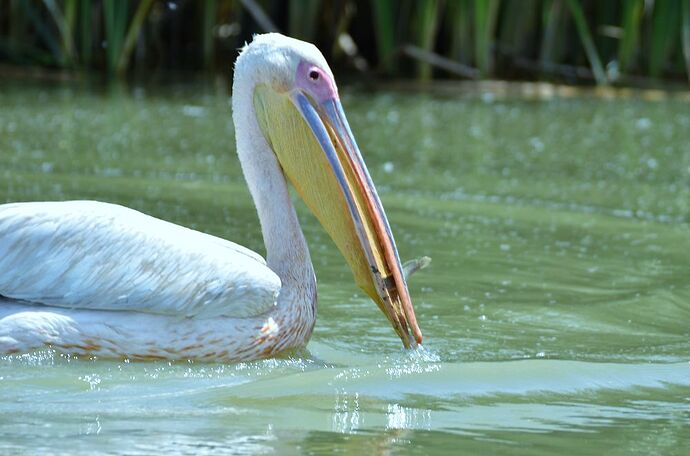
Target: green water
556 311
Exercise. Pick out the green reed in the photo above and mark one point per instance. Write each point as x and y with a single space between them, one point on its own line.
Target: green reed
484 27
460 17
631 28
115 17
133 32
210 15
426 28
665 27
303 18
585 41
685 18
383 18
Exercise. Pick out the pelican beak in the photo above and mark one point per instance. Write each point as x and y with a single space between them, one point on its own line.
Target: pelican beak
320 157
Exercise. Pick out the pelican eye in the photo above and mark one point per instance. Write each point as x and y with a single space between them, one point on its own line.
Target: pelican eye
314 75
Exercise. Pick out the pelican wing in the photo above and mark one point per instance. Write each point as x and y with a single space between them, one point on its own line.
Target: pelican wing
90 255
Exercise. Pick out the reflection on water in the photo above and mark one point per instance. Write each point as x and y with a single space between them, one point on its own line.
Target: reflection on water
555 311
276 404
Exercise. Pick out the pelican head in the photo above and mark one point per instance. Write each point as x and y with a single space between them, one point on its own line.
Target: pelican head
298 112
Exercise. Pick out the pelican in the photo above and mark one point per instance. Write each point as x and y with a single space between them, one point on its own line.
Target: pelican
97 279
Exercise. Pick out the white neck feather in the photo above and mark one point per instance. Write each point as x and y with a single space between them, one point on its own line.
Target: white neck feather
287 253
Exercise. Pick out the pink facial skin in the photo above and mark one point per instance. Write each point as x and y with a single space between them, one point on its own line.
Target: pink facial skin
316 82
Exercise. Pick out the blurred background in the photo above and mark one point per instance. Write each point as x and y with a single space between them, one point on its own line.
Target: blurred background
614 42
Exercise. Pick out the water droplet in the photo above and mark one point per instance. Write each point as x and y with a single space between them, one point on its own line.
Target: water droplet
643 123
536 144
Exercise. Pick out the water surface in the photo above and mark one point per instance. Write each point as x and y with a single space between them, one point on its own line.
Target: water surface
556 311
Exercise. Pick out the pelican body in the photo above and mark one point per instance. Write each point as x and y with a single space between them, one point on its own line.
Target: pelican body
91 278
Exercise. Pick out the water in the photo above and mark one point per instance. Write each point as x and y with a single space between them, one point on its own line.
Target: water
556 310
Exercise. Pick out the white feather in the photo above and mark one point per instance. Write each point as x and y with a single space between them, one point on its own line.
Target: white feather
93 278
91 255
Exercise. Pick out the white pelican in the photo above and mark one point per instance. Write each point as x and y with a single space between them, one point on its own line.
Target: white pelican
91 278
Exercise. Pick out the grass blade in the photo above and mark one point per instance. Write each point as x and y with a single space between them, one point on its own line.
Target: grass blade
43 31
587 42
516 32
664 29
210 10
629 43
426 33
64 28
485 24
17 29
115 13
302 19
606 35
86 31
685 34
259 15
555 29
384 29
461 14
71 7
438 61
132 34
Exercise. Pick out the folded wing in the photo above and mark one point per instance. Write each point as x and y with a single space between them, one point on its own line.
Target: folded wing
90 255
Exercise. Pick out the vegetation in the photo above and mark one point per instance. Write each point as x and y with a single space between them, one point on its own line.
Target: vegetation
578 41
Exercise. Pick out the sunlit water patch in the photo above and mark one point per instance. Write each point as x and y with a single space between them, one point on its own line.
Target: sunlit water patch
555 311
